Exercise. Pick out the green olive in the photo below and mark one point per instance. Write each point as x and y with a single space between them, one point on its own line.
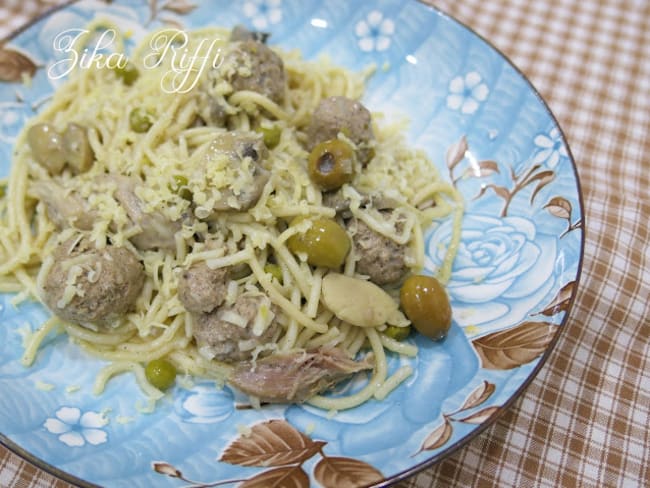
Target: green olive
426 304
160 373
397 333
325 243
271 135
47 147
331 164
79 153
179 187
128 74
274 270
140 120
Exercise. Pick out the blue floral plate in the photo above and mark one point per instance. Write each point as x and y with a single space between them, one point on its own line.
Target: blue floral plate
512 286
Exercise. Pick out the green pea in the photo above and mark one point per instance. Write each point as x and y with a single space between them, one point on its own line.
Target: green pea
180 187
160 373
128 74
274 270
398 333
140 120
271 135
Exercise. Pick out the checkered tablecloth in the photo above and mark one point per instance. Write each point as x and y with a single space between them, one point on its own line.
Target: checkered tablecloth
584 421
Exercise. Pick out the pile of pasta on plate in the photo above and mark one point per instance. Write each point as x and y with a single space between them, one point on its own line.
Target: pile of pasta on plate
250 221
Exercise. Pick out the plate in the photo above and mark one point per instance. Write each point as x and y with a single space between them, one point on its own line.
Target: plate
512 285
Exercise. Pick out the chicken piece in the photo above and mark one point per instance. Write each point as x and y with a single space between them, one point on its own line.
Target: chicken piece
229 333
65 208
158 231
379 257
86 285
295 377
202 289
251 65
342 114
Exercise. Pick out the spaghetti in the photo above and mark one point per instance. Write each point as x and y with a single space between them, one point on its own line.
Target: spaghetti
171 153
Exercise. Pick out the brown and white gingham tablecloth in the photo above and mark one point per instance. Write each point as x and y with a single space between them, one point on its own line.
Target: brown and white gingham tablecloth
584 421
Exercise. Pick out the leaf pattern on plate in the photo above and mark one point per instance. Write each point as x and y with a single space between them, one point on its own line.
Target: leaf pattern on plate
479 395
282 477
520 181
343 472
561 208
456 153
542 178
510 348
438 436
166 469
561 301
271 443
14 64
480 416
277 445
180 7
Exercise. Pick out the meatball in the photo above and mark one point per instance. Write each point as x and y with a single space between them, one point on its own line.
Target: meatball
86 285
379 257
253 66
229 341
202 289
341 114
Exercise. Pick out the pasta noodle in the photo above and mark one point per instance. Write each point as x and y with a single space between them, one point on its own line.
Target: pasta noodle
165 156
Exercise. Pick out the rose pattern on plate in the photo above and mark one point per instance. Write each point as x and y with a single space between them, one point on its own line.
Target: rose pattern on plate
503 269
204 404
75 429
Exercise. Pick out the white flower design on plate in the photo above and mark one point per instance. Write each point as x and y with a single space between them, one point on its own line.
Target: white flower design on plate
13 116
467 92
552 148
263 12
374 32
75 429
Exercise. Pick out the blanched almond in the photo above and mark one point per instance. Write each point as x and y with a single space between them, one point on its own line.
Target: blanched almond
356 301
